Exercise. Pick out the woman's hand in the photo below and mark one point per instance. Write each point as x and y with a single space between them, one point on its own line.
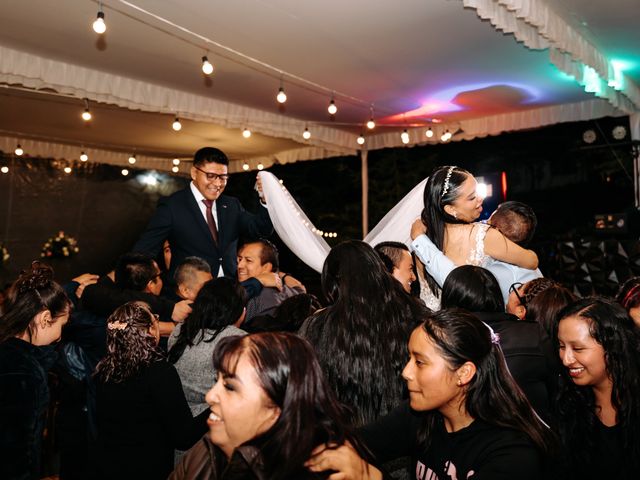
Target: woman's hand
417 228
344 461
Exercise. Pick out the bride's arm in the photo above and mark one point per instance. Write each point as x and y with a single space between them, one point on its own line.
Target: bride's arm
501 248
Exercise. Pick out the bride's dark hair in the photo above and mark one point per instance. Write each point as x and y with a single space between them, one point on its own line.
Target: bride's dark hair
442 188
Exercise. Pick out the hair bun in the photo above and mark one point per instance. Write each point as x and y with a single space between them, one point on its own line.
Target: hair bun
39 276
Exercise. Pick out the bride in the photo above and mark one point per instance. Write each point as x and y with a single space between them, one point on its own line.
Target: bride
451 206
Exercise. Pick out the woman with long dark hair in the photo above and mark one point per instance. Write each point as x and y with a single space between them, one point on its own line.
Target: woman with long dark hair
599 400
361 337
269 408
216 312
142 414
37 309
466 417
451 205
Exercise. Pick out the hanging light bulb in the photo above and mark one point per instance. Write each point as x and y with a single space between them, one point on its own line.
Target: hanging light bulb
176 161
332 109
86 115
445 136
207 67
98 24
360 140
176 125
132 159
67 170
260 166
124 172
306 134
175 169
404 136
371 124
4 169
84 157
281 97
245 166
429 132
19 151
246 133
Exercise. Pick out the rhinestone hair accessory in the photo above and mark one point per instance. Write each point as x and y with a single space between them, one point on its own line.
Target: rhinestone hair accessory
445 187
495 338
117 325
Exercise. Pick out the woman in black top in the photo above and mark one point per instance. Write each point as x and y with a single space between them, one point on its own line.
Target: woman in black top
599 401
142 414
466 417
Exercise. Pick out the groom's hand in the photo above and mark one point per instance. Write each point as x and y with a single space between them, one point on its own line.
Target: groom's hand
417 228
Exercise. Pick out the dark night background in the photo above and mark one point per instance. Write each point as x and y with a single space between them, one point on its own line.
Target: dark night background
566 181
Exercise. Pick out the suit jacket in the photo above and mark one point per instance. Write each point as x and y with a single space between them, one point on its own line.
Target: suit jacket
178 218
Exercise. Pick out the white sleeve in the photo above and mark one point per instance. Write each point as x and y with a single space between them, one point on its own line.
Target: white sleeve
437 263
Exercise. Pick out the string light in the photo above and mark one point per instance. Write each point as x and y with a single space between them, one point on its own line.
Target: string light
124 172
176 125
18 151
245 166
360 140
175 169
446 136
132 159
306 134
371 124
332 109
207 67
246 133
83 157
176 161
281 97
86 115
404 136
429 132
98 24
4 169
260 166
67 170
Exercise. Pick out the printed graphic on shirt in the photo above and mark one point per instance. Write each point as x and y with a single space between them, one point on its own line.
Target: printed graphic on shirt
425 473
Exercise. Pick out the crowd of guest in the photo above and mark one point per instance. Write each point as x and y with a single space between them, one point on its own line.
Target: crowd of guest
449 358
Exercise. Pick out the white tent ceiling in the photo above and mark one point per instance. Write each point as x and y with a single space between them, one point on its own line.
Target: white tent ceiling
415 61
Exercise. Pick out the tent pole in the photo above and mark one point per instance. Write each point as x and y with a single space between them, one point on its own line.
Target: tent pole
365 191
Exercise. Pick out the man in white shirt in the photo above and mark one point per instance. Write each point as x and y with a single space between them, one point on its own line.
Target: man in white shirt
514 220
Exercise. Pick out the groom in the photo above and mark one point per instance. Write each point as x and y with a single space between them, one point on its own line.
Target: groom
514 220
200 221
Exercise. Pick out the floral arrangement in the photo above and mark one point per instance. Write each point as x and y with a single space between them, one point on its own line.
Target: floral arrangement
4 254
60 246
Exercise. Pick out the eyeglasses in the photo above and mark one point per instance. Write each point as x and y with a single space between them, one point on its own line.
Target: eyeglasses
514 288
214 176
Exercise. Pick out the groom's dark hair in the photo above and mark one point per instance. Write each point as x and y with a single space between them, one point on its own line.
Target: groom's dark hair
516 221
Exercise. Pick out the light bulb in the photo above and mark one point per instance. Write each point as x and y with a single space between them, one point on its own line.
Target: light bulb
124 172
404 136
429 132
246 133
175 169
260 166
4 169
98 25
19 151
332 109
84 157
176 125
306 134
86 115
360 140
132 159
245 166
371 124
281 97
445 136
67 169
176 161
207 67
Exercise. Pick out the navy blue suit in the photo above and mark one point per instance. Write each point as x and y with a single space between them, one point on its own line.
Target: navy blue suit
179 219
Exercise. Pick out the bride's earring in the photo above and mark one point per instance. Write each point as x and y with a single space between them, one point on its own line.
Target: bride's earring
455 215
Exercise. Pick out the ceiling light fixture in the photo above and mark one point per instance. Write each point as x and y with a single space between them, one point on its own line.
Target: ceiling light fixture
83 157
246 133
306 134
124 172
132 159
98 24
19 151
371 124
176 125
446 136
86 115
429 132
332 109
175 169
176 161
260 166
404 136
67 170
245 166
281 97
4 169
360 139
207 66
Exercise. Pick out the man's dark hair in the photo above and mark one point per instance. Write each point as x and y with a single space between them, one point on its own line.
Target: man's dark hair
516 221
189 267
209 155
134 270
391 253
268 253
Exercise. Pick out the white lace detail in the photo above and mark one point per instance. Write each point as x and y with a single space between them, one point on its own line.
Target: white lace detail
476 255
427 296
